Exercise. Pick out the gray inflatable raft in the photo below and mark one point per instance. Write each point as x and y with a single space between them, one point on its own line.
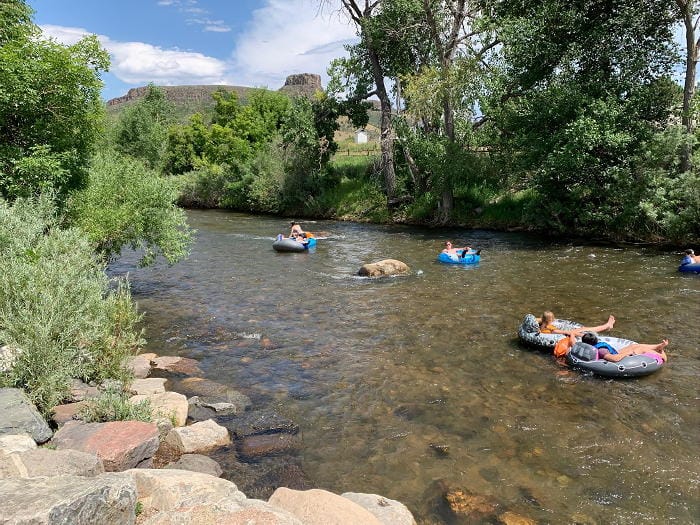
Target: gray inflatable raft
289 245
585 357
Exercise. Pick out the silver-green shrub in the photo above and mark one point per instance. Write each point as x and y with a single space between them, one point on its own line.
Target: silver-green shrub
57 306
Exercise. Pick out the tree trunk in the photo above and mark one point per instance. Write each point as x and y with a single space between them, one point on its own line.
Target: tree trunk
386 140
689 86
447 199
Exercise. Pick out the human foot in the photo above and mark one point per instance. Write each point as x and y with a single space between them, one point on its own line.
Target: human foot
611 322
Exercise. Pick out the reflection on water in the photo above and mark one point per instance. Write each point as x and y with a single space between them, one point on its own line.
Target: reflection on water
384 375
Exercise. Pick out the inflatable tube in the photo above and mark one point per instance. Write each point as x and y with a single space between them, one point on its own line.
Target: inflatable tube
689 268
290 245
585 357
529 333
454 258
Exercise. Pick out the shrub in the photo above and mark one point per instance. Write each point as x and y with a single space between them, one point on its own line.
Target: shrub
58 307
114 405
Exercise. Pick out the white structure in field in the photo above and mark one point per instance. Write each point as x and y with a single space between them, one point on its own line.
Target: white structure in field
361 136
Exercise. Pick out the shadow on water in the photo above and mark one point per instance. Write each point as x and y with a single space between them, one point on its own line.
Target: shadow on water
405 384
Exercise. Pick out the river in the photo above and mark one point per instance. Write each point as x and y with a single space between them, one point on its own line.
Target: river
404 385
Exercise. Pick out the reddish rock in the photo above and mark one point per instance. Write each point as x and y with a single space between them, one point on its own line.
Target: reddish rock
267 445
120 444
64 413
177 365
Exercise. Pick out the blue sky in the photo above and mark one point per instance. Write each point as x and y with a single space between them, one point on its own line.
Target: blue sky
171 42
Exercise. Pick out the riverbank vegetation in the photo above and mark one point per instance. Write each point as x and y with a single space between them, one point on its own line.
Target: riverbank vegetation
534 115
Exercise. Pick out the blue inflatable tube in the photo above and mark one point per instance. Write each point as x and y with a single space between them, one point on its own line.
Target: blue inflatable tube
689 268
454 258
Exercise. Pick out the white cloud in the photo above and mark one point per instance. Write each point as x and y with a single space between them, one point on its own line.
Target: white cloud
287 37
284 37
139 63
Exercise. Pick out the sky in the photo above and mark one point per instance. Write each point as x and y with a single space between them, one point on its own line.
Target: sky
254 43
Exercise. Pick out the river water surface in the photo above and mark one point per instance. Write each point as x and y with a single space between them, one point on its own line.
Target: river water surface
404 384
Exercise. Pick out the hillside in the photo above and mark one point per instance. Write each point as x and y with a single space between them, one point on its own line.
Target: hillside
189 100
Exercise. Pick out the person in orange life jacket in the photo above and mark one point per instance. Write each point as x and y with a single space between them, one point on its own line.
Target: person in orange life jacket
546 323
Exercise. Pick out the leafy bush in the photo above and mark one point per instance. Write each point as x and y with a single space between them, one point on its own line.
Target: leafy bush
114 405
126 204
58 307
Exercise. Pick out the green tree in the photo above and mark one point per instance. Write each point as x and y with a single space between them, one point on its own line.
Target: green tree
142 129
584 90
126 204
50 106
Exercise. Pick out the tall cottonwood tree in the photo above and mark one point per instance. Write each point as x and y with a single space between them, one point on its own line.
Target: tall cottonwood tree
369 70
689 15
586 88
460 41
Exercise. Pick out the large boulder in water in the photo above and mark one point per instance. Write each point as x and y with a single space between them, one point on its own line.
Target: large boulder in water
385 267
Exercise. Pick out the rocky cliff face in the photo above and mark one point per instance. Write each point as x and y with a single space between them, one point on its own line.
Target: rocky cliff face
301 84
180 94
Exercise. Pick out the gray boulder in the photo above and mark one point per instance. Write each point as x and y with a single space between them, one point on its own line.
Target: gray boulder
47 462
109 499
197 463
19 416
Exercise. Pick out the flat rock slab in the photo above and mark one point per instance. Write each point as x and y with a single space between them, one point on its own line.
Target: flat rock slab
320 507
151 385
120 444
251 513
19 416
140 365
177 365
200 437
258 422
108 499
197 463
47 462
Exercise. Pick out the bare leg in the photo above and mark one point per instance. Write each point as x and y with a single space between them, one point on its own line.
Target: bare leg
600 328
641 348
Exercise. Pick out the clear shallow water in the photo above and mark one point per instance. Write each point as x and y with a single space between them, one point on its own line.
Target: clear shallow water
377 371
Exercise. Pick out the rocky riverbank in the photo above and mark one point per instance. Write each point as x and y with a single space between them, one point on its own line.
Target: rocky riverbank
125 472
